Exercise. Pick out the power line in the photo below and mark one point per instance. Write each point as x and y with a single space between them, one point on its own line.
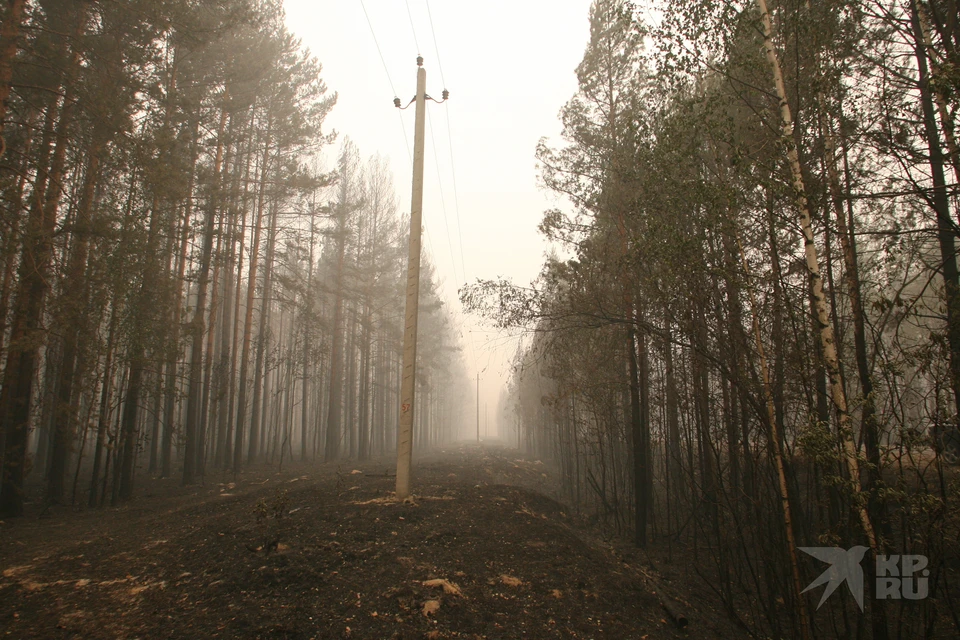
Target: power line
433 141
410 16
443 202
377 43
435 47
453 171
406 140
463 263
456 195
470 338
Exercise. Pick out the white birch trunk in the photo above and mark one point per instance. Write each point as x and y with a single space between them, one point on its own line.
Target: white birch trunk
827 338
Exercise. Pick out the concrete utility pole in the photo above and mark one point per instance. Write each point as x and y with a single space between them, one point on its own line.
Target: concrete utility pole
408 383
478 406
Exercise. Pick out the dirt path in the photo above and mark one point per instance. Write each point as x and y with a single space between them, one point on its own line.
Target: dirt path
317 553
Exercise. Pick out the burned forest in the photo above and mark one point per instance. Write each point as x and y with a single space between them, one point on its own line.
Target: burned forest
662 339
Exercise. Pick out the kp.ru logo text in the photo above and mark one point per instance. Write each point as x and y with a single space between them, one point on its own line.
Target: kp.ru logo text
898 577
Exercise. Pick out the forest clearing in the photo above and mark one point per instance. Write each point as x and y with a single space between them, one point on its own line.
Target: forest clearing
326 552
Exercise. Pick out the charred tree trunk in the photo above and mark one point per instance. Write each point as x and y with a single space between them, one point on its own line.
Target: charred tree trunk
639 437
260 383
248 320
26 334
174 348
197 324
939 201
72 318
334 404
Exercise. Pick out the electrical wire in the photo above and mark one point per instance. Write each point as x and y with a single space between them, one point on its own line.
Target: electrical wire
463 267
463 264
406 141
435 47
456 197
453 171
443 202
456 194
410 16
386 71
377 43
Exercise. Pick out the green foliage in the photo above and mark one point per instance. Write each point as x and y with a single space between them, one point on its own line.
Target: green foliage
818 444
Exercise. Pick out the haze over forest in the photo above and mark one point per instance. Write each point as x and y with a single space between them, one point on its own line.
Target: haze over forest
688 285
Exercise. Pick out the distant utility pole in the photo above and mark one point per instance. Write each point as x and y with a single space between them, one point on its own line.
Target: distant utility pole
478 406
408 384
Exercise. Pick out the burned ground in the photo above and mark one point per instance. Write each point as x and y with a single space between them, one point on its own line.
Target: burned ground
326 552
